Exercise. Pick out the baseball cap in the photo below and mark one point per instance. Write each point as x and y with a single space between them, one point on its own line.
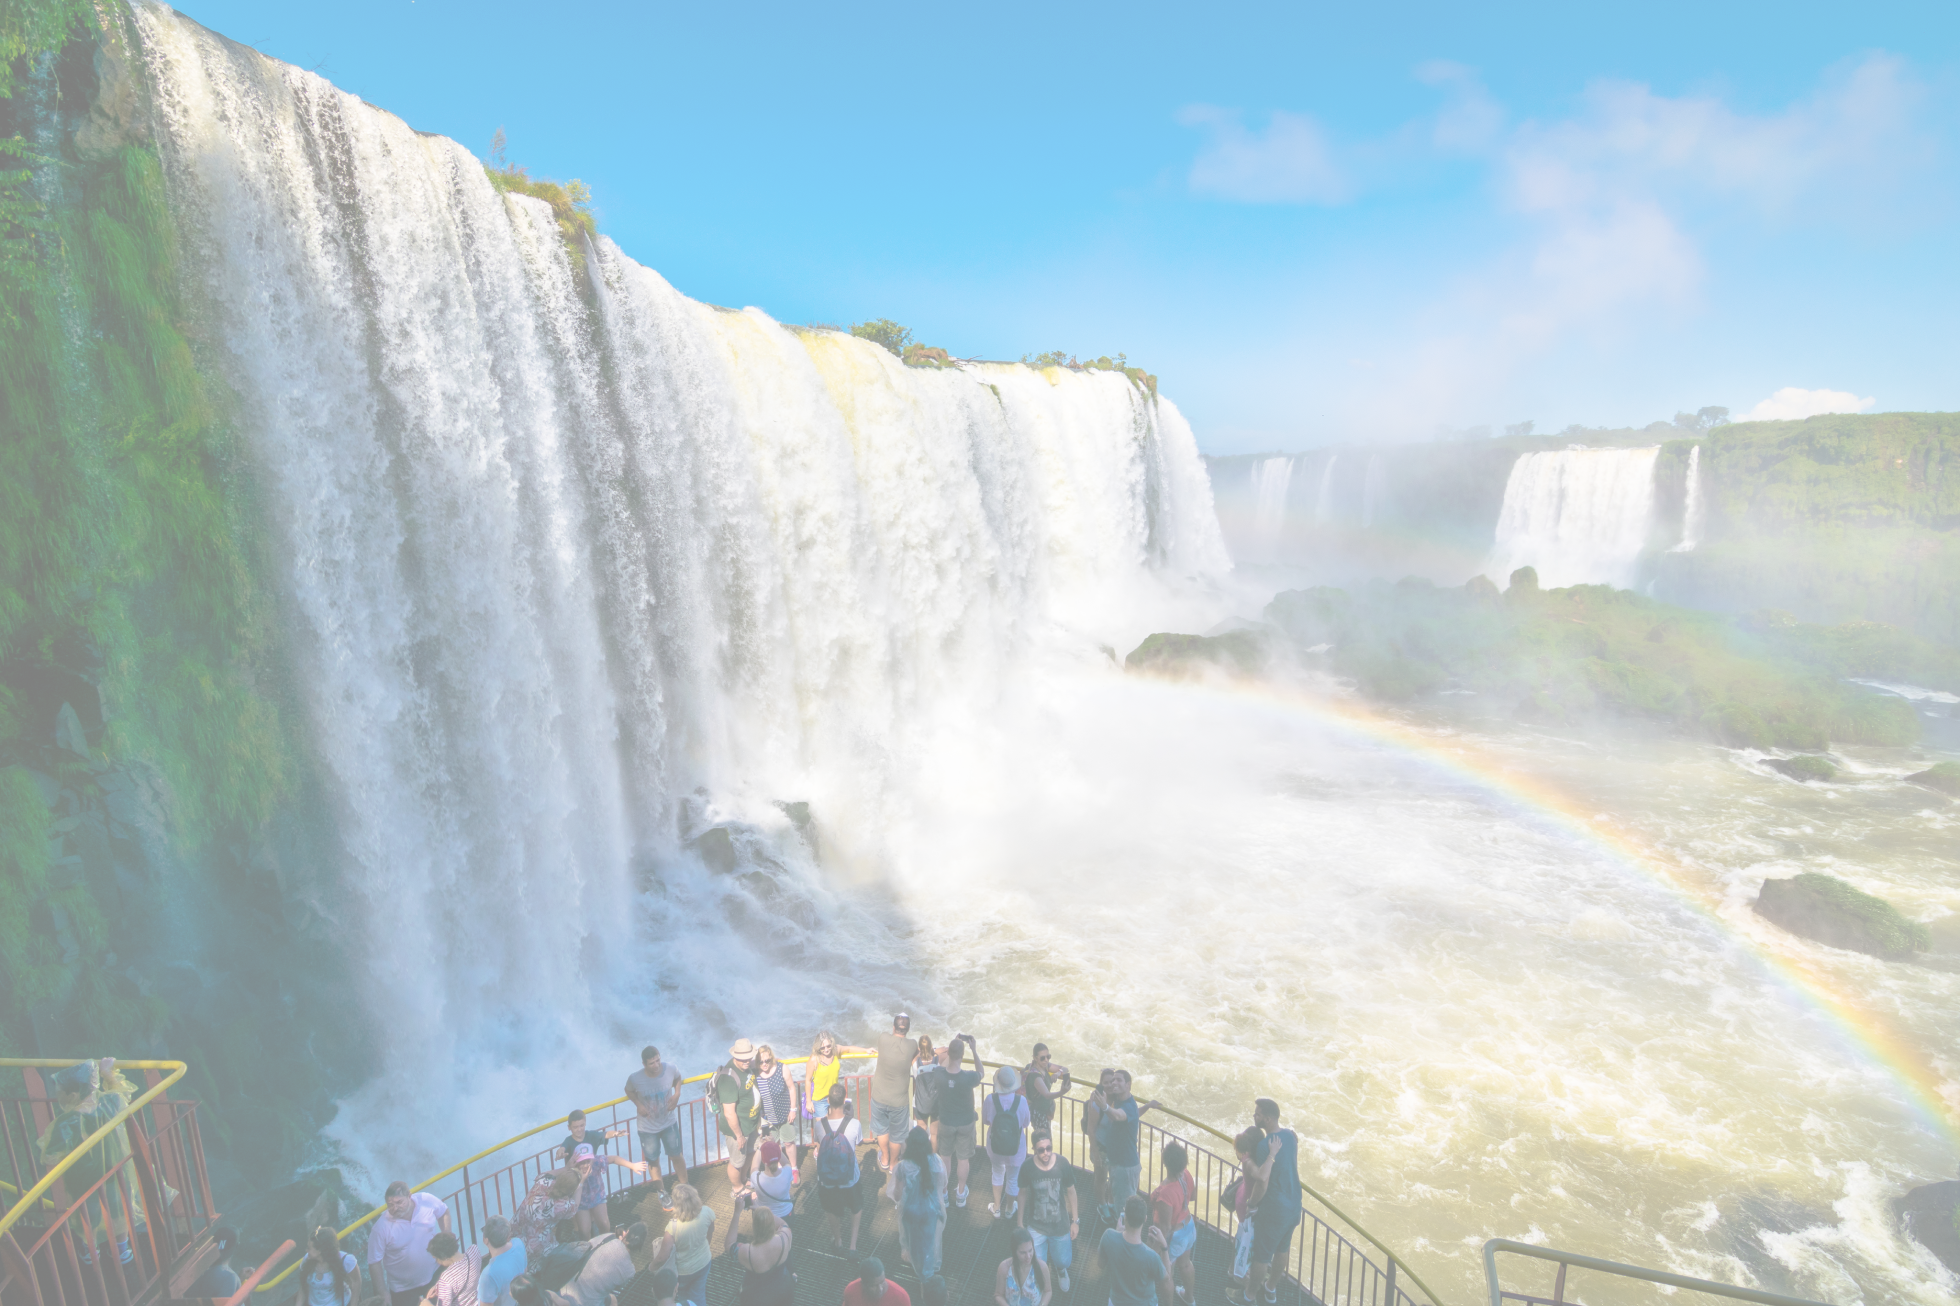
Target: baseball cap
583 1152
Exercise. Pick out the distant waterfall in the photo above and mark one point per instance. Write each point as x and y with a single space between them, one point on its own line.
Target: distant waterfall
1693 510
575 561
1323 503
1270 479
1371 490
1579 516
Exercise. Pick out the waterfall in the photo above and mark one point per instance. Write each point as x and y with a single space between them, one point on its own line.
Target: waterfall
1579 516
578 566
1693 509
1371 490
1270 479
1323 503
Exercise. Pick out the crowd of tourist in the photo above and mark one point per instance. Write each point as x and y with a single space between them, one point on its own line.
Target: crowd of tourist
924 1133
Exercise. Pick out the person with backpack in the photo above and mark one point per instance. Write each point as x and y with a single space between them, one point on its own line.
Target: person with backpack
1006 1116
838 1137
918 1186
738 1115
608 1267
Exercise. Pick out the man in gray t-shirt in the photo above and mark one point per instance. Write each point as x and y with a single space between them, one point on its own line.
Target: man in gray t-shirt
655 1089
891 1089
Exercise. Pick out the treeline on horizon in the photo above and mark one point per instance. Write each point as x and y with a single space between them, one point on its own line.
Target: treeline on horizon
1840 517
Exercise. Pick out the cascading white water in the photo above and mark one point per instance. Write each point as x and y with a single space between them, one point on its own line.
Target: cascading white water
1271 478
578 565
1578 516
1323 502
1692 509
1371 490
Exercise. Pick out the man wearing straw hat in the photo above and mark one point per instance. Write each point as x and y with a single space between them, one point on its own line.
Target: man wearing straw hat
740 1116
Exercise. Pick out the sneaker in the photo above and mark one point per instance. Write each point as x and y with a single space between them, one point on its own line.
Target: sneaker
1061 1278
1013 1205
124 1252
959 1198
993 1210
1272 1297
1106 1213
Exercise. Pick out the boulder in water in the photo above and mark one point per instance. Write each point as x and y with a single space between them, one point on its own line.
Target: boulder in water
1931 1214
1804 766
1826 909
1239 652
1943 776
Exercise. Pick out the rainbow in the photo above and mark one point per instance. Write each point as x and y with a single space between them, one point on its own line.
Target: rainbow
1867 1033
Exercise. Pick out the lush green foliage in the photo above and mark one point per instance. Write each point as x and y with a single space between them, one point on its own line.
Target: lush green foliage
1053 358
1571 653
884 331
570 201
32 27
1805 766
927 356
122 553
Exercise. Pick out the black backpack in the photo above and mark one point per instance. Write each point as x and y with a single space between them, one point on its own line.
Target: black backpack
1004 1134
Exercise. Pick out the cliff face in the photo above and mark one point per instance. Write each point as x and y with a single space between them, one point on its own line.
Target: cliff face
161 894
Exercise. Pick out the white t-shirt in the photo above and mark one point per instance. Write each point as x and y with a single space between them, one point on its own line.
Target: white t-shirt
401 1247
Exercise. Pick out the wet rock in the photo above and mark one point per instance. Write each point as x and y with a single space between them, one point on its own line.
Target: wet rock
1804 766
68 731
1830 911
1239 652
114 117
715 846
806 825
1931 1215
1942 776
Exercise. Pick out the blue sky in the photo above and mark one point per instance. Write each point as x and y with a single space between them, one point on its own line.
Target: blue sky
1316 223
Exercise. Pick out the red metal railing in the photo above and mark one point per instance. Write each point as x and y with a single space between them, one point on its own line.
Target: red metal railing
65 1247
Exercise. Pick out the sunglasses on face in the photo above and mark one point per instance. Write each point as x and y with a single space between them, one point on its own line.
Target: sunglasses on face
1043 1150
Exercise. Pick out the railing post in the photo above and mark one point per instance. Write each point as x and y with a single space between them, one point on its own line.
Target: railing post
1391 1282
469 1201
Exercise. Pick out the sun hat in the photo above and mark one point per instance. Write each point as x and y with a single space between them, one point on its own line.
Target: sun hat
1007 1079
741 1049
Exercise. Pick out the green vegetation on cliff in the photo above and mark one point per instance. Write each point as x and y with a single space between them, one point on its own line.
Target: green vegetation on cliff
144 751
570 201
1567 654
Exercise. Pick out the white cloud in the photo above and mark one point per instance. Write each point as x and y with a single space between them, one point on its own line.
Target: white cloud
1791 404
1291 162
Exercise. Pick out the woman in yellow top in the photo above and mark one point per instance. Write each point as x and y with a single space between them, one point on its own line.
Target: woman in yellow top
826 1059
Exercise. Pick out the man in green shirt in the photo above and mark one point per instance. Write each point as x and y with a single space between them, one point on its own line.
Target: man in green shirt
740 1116
891 1089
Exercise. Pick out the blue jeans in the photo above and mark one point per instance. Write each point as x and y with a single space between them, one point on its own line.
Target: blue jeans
694 1287
1058 1250
667 1140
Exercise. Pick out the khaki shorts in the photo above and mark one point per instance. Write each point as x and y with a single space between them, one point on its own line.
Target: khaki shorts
956 1141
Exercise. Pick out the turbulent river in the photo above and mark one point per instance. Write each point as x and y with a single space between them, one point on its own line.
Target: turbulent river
589 584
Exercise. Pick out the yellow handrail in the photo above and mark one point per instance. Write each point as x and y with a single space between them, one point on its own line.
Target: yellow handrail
280 1278
176 1069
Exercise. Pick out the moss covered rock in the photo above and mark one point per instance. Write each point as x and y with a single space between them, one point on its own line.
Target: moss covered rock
1943 776
1828 910
1804 766
1240 652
